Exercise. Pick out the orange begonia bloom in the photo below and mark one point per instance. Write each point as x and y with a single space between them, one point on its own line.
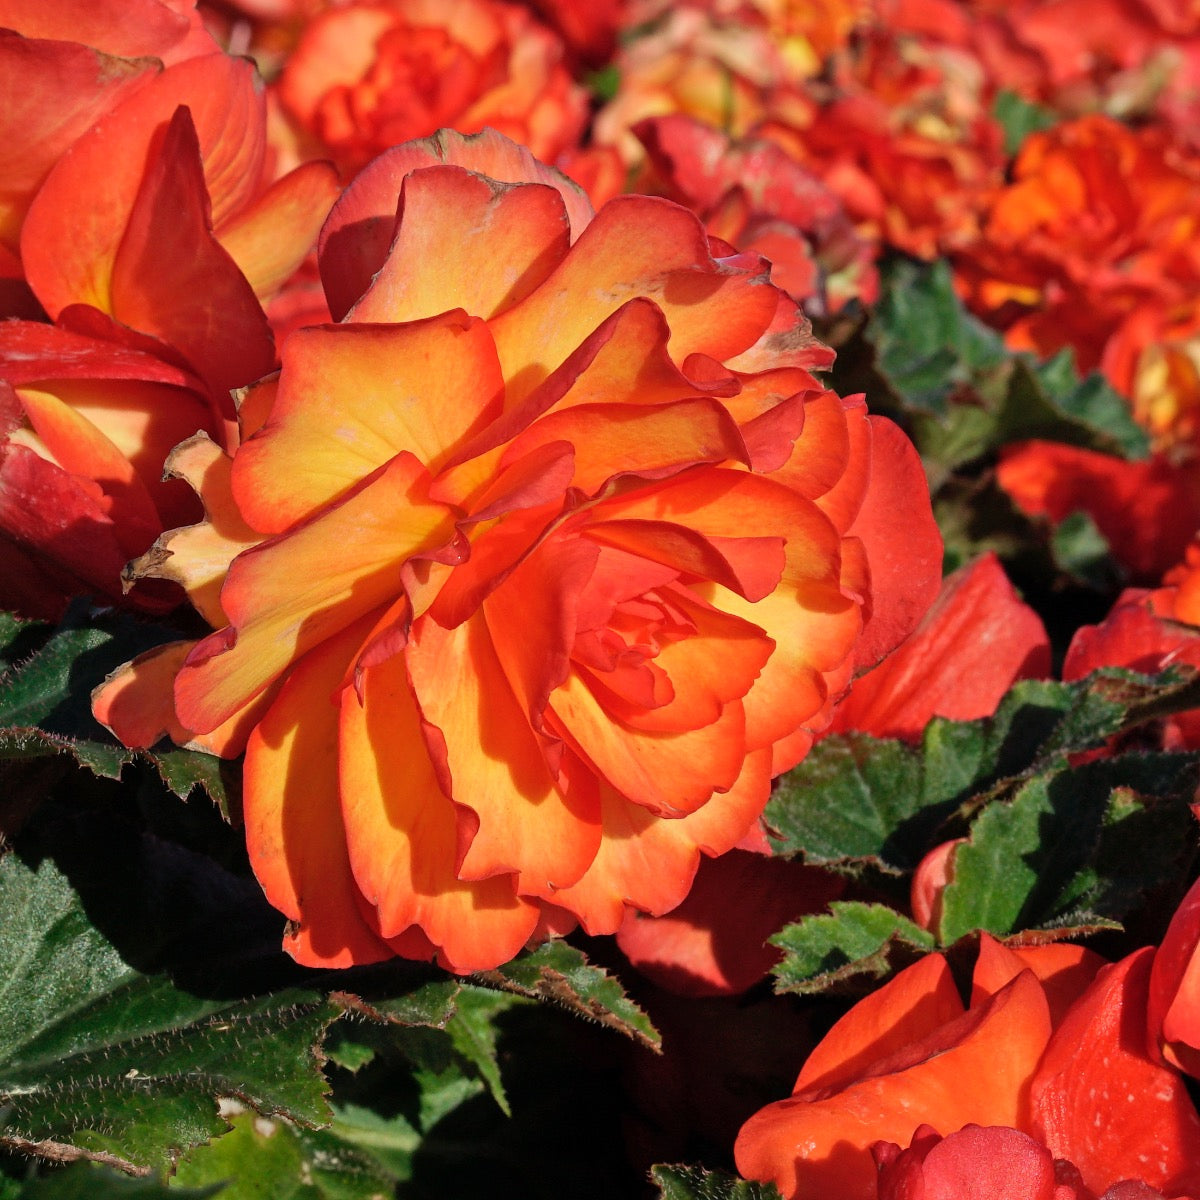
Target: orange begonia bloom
65 65
544 560
1092 246
1174 1007
905 137
807 32
85 426
907 1055
155 279
723 73
975 640
370 74
1051 1046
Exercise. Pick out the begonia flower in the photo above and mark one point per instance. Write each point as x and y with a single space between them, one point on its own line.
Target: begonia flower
370 74
752 195
86 425
723 73
156 285
973 643
806 34
1045 1048
904 136
1147 509
1092 246
906 1055
587 562
1130 59
1174 1007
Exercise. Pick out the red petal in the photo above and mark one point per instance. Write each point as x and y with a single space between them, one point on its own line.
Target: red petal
904 547
385 387
1100 1101
709 947
172 278
971 645
975 1069
463 241
68 252
51 92
526 824
358 235
1173 1012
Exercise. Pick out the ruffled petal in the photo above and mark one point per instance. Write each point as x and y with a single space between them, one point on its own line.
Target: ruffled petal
287 595
403 834
525 822
384 389
294 829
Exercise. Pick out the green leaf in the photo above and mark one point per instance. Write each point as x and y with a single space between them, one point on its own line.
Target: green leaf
105 1061
443 1024
45 701
853 940
86 1181
1058 851
963 393
19 638
473 1034
927 346
1082 553
695 1183
272 1159
558 972
857 801
1019 118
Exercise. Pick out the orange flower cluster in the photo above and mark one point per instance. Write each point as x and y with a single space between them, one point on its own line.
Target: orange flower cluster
636 463
156 287
1092 247
1137 58
1048 1085
366 75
